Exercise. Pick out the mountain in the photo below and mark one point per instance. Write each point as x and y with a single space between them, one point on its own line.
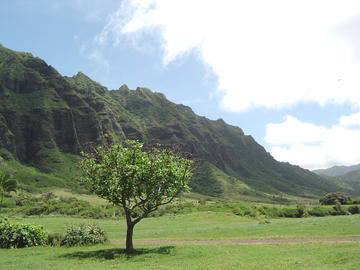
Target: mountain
337 170
351 179
47 119
352 176
348 177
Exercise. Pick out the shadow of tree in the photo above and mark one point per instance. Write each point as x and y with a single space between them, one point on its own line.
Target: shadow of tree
112 253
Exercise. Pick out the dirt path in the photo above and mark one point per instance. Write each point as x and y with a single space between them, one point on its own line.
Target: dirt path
243 241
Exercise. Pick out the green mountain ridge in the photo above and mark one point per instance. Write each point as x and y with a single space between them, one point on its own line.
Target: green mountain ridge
351 178
46 120
337 170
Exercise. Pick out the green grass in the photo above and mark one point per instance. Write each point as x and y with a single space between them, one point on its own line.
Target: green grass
91 198
217 256
30 178
200 225
213 226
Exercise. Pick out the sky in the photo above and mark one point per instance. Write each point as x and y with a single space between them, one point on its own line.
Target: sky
287 72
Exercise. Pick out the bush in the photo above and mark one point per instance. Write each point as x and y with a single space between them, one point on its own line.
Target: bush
54 239
241 209
298 212
48 204
356 200
36 210
84 234
354 209
47 197
319 211
302 211
22 199
93 213
270 212
338 210
21 235
289 212
334 197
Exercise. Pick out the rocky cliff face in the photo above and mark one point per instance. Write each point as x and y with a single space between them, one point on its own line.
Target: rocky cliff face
42 112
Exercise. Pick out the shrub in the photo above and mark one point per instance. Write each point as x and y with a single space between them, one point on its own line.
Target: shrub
302 212
54 239
38 209
22 199
84 234
356 200
289 212
354 209
48 196
93 213
202 201
270 212
319 211
242 209
338 210
21 235
334 197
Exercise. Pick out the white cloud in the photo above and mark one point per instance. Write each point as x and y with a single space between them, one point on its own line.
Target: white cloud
350 120
265 53
312 146
271 54
292 131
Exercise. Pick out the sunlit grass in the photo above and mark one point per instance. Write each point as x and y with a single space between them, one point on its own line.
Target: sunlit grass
93 199
199 225
204 225
217 256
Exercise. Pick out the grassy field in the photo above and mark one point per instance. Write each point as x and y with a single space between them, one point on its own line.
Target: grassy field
206 225
201 225
285 256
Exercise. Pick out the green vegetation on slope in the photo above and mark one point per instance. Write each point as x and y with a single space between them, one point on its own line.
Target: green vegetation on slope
84 205
47 119
337 170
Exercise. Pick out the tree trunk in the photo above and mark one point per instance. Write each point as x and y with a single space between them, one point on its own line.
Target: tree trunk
129 238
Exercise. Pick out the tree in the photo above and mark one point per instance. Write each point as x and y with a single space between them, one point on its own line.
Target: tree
7 184
333 198
138 180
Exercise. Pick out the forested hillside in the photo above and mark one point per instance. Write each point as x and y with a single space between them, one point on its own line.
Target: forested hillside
46 120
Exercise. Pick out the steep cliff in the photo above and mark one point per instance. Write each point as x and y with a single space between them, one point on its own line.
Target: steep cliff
44 115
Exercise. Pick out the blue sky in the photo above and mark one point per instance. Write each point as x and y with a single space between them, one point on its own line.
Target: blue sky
286 72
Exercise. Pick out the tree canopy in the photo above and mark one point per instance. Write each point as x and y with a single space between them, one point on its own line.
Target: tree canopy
334 197
138 180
